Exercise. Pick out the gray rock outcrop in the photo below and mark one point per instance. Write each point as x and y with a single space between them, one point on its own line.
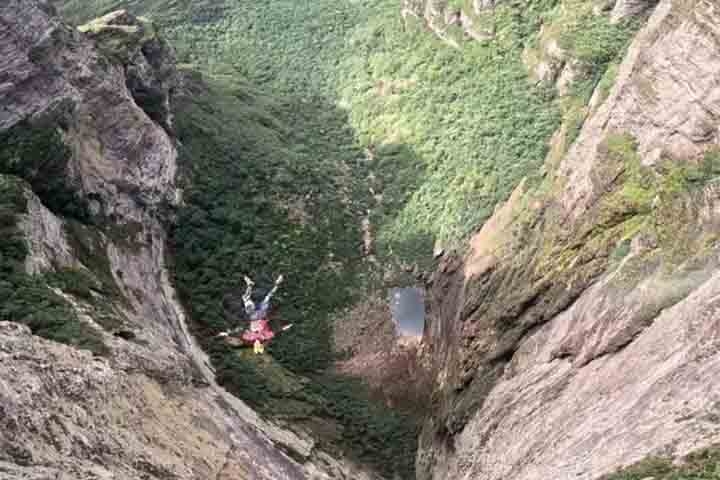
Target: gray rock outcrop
631 8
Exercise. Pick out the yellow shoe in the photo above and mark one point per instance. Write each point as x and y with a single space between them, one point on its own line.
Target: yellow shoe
258 347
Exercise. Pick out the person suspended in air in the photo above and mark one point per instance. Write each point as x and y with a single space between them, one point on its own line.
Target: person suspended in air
259 332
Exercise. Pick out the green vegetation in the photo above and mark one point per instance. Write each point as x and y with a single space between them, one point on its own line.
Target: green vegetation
620 251
90 248
75 282
26 299
38 155
595 46
656 200
638 187
98 296
383 439
593 39
453 131
701 465
388 440
249 212
608 81
308 107
470 116
688 175
641 184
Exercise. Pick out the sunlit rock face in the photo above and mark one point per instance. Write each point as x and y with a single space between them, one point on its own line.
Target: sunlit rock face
579 334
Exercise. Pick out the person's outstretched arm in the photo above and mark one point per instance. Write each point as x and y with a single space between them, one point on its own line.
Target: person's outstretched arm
232 331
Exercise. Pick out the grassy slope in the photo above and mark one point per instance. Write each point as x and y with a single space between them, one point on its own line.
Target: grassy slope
701 465
454 131
470 116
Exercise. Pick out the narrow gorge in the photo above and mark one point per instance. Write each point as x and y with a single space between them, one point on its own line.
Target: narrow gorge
543 173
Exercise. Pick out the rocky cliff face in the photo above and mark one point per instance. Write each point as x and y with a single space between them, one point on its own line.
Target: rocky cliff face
91 212
580 333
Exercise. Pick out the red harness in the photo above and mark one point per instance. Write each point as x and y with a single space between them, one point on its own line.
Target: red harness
259 331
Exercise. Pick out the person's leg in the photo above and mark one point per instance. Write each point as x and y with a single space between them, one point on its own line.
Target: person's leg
265 305
266 300
247 298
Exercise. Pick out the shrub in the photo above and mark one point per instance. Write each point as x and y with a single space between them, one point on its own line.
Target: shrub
38 155
701 465
26 299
